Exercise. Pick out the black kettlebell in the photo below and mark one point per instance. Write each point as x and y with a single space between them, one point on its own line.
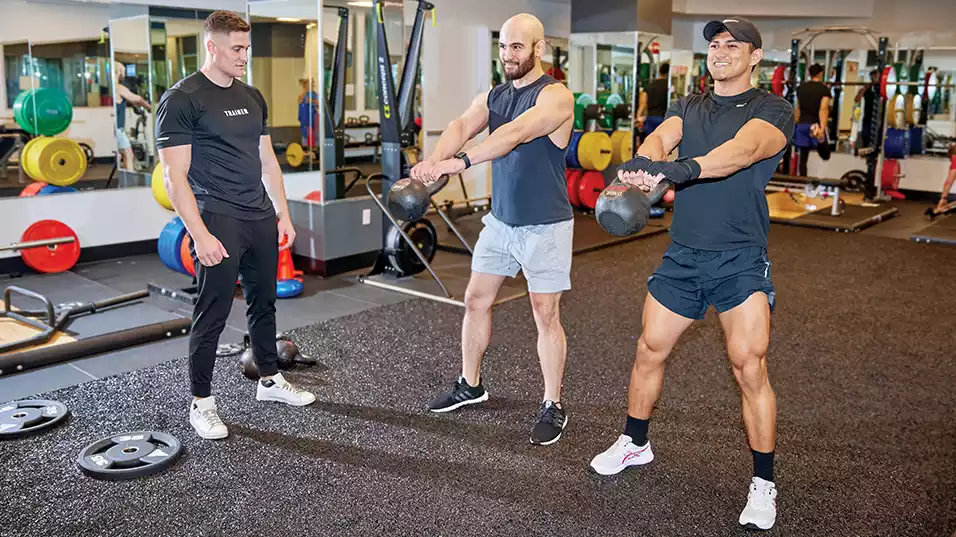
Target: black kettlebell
408 199
248 362
623 209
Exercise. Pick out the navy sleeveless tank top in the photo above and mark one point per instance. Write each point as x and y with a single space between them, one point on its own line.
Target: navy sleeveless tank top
528 186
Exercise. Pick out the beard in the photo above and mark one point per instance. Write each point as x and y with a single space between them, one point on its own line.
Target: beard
520 70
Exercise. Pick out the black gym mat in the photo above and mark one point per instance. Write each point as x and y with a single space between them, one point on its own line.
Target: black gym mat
942 231
588 235
854 218
863 372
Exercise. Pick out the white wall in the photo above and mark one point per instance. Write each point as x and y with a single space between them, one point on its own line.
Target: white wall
130 35
921 172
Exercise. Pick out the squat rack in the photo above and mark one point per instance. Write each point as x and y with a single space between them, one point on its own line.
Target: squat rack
874 157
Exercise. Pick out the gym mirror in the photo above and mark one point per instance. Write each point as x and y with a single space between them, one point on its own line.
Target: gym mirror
601 75
131 47
58 134
17 123
285 67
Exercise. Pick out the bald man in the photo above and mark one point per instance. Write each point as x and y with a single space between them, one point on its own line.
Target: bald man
531 222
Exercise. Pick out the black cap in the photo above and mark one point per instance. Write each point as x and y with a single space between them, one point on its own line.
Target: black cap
742 30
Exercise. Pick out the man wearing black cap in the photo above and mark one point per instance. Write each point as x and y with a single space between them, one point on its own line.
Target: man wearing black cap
730 141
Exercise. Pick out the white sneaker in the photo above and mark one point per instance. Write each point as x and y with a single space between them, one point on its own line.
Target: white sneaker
279 389
205 419
621 455
761 510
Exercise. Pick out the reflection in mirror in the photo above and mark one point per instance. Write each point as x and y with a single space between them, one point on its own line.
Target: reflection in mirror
18 129
131 44
58 135
285 67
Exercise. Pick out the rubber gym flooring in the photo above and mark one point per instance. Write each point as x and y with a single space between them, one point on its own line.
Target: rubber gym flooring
861 359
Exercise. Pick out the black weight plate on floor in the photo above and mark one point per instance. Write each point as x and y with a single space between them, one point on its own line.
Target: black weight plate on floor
129 455
30 416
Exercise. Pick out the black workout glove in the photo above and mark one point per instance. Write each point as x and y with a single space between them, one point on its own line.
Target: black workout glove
677 172
637 164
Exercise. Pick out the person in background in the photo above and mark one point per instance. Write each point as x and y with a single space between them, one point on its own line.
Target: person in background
653 104
308 111
123 95
813 116
865 97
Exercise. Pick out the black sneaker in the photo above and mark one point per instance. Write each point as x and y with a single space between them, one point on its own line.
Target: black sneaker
460 395
551 423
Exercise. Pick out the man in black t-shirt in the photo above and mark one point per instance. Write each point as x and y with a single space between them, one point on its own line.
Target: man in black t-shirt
652 106
730 142
224 182
813 114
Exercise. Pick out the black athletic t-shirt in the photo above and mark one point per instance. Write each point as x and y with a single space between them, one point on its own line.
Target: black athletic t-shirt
809 96
223 125
657 97
731 212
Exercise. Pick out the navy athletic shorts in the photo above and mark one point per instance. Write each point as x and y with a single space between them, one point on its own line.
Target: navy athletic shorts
688 281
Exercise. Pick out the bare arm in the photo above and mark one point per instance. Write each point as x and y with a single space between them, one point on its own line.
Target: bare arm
757 140
176 161
554 108
131 97
272 176
459 131
824 112
860 94
663 140
642 105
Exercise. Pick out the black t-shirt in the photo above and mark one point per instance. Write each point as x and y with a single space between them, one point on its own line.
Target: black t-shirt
657 97
731 212
809 96
224 126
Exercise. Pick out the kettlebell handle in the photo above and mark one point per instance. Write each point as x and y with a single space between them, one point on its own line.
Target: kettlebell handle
657 193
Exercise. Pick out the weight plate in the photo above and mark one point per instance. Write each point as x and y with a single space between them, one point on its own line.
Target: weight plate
58 161
53 189
571 157
573 177
581 102
88 151
594 151
54 258
294 155
854 180
589 188
130 455
43 111
32 189
621 147
159 188
170 244
26 158
186 257
400 255
29 417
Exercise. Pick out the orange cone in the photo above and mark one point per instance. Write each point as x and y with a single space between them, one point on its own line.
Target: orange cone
286 268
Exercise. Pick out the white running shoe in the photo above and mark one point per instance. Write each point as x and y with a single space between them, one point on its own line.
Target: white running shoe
205 419
761 510
279 389
621 455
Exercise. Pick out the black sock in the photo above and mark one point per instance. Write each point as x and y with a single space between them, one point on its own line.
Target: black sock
763 465
637 430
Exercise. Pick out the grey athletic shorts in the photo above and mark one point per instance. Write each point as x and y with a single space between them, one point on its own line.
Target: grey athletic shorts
542 252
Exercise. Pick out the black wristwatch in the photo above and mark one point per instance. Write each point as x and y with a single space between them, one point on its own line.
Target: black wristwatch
463 156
